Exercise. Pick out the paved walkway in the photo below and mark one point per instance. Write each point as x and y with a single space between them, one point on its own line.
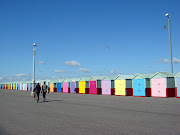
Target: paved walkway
76 114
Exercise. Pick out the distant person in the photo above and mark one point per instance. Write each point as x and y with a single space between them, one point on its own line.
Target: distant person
37 90
44 90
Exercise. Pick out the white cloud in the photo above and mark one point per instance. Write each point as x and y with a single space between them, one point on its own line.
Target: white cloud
58 71
41 62
1 78
112 71
84 70
72 63
21 75
175 60
164 60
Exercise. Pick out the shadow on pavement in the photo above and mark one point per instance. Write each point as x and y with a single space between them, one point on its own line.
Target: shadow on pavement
50 101
3 132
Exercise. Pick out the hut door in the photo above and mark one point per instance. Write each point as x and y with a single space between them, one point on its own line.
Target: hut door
108 87
141 89
122 87
162 87
154 87
104 87
65 87
58 87
82 87
117 87
51 87
138 87
72 87
93 89
178 86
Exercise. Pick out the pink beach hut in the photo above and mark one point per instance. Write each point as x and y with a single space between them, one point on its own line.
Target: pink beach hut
163 85
66 85
107 85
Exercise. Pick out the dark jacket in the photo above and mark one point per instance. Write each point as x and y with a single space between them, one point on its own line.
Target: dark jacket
37 88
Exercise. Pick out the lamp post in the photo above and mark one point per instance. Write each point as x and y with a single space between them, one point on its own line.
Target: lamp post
33 79
168 16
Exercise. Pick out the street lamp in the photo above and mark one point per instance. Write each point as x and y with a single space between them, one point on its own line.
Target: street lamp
33 79
168 16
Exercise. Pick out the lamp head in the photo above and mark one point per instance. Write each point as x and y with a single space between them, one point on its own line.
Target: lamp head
167 15
34 45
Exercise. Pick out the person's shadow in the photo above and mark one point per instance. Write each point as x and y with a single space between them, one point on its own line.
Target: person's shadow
54 100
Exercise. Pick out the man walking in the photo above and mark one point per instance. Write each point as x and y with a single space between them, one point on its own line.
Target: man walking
38 89
44 90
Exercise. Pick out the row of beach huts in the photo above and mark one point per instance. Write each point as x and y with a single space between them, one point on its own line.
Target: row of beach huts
160 84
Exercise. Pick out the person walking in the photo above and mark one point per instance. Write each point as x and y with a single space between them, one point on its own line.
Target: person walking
38 89
44 90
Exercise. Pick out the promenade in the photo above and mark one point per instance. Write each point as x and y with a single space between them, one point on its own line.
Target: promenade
78 114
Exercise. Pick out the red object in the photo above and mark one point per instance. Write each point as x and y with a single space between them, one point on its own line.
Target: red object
112 91
68 90
86 90
129 91
55 89
170 92
148 92
77 90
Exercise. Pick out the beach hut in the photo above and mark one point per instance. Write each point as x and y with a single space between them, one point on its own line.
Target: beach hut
84 85
26 86
123 85
21 86
9 86
66 85
16 85
59 85
177 82
74 85
5 85
13 85
163 85
29 85
53 85
107 85
95 84
141 85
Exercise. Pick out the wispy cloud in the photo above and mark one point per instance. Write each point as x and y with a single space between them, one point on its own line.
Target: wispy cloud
41 62
21 75
58 71
175 60
112 71
84 70
1 78
72 63
165 60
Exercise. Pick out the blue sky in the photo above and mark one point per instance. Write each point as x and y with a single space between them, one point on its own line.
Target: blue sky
72 37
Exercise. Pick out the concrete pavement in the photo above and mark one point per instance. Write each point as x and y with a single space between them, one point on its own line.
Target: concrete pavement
77 114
